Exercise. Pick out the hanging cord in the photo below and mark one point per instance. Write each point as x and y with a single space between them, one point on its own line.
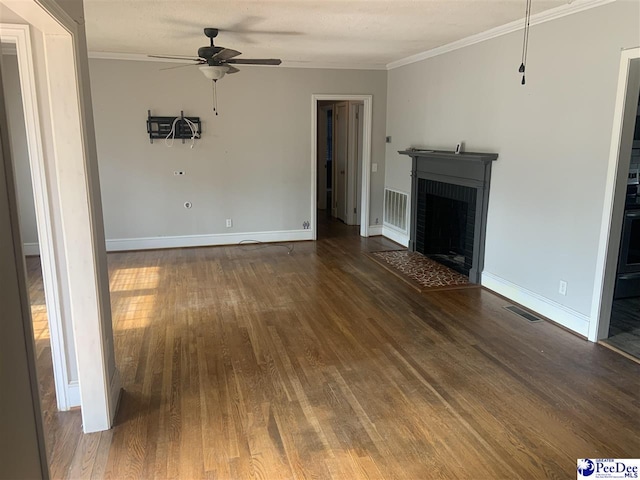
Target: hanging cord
172 133
289 248
194 131
525 41
215 97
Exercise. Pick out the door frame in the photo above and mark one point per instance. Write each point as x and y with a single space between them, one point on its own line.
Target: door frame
367 122
67 392
81 231
24 453
614 198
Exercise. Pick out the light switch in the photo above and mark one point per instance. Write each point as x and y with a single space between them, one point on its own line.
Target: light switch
374 167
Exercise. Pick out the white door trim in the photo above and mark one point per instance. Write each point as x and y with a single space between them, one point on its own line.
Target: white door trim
73 161
19 35
367 122
609 241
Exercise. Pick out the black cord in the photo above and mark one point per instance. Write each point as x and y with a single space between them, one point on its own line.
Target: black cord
527 29
215 97
525 41
289 248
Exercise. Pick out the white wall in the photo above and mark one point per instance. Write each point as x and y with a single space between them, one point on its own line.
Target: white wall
553 138
253 163
26 208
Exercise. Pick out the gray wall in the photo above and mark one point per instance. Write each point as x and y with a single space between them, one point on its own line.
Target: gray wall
19 150
253 163
553 137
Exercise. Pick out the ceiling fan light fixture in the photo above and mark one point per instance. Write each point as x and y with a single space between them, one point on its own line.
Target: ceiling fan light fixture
214 72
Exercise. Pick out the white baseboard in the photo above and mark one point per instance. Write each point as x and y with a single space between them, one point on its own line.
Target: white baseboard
560 314
30 249
147 243
375 230
73 394
395 235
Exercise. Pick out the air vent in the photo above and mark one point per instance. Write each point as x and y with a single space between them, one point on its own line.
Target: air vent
529 317
395 209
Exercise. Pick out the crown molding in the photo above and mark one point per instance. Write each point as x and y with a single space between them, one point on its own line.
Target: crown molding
330 65
138 57
542 17
135 57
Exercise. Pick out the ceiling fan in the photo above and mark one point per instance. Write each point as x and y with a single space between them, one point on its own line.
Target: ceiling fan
215 61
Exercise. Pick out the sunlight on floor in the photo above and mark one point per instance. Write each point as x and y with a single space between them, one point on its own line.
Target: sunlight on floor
140 278
40 322
134 312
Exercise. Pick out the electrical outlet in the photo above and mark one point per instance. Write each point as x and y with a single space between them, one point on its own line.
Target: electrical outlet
306 224
377 221
229 223
179 173
374 167
562 290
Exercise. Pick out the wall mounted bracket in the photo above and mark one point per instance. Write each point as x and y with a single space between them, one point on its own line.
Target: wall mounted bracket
160 127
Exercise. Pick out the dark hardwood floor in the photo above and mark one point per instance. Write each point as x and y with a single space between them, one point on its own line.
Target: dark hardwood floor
252 362
624 329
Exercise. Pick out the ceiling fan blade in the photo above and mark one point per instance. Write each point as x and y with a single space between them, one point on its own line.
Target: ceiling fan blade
184 65
226 54
177 57
254 61
231 69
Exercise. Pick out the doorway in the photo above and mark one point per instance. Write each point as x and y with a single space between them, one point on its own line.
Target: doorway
35 219
341 159
616 281
325 157
53 65
624 324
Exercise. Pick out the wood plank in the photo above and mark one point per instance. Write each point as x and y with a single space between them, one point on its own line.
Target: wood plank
249 362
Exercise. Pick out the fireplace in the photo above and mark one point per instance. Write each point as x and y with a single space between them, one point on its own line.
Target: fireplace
449 202
445 223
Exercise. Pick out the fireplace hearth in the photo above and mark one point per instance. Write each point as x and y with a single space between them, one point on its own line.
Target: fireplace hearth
449 202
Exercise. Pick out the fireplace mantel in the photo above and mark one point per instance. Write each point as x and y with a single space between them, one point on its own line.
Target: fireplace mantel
464 169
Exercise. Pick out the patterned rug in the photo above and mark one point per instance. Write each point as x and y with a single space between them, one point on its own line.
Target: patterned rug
420 272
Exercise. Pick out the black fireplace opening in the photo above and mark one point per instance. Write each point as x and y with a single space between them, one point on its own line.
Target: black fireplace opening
445 223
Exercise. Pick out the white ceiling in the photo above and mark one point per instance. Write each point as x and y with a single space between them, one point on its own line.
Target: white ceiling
343 33
357 34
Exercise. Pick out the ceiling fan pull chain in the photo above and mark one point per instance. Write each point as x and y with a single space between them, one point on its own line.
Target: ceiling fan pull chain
215 97
525 40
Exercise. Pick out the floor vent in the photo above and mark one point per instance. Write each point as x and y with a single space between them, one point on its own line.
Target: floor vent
531 318
395 209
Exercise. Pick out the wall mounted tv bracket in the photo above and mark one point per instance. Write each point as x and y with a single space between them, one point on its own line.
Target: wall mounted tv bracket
160 127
